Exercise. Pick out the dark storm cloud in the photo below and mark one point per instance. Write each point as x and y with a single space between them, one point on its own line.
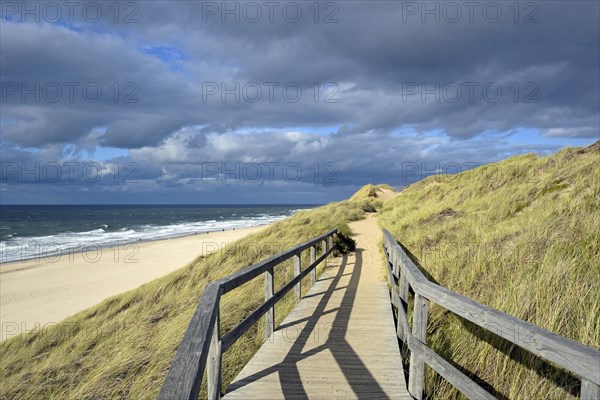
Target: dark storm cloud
391 67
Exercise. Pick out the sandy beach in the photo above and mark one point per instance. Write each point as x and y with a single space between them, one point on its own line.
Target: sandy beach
36 293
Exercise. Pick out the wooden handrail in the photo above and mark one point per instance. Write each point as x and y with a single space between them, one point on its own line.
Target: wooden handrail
202 345
582 361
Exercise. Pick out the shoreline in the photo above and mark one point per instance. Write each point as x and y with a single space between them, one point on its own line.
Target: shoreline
37 293
39 261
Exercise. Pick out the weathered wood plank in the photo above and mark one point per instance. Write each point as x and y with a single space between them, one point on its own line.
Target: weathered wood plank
566 353
570 355
213 367
323 251
416 374
404 289
185 375
313 257
403 329
297 268
459 380
589 390
270 314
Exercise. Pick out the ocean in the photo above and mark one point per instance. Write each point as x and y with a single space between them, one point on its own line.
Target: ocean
33 231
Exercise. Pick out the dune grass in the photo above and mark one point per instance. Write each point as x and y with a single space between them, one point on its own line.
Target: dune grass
123 347
522 236
370 191
367 197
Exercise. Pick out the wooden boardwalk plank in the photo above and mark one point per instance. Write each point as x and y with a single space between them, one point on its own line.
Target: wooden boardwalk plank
338 343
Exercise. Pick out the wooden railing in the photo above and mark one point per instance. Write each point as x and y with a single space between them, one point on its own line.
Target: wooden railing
582 361
203 345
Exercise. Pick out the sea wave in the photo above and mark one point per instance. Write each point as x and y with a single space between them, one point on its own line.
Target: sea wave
22 248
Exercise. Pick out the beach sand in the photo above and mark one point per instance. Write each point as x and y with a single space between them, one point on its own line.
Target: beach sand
38 293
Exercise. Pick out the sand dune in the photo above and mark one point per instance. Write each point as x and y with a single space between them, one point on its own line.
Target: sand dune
36 293
385 194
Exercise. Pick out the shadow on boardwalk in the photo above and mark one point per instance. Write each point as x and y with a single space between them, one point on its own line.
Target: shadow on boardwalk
356 373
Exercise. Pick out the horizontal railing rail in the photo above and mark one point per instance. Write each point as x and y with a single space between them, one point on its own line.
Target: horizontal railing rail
403 274
202 345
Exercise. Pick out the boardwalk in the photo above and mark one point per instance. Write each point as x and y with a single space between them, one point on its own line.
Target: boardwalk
339 342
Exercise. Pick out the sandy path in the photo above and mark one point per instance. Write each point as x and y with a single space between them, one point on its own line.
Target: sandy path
369 238
35 293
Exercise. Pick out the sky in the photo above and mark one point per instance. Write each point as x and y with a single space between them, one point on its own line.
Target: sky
189 102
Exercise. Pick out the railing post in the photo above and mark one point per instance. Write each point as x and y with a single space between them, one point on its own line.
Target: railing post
400 329
386 249
324 250
270 315
298 287
403 287
589 390
403 282
313 258
213 370
330 244
419 328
